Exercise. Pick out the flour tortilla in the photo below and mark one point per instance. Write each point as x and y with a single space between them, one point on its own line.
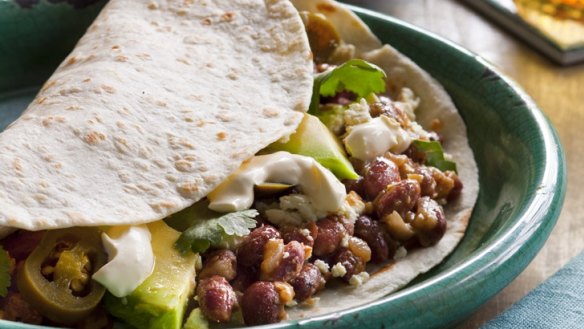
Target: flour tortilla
434 103
156 105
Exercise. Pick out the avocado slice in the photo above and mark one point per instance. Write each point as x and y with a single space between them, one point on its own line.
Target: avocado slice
161 300
313 139
196 320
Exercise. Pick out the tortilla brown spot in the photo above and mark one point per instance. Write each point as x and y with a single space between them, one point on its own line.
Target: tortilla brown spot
17 165
108 89
48 85
152 5
94 138
183 60
162 206
227 16
189 188
270 113
221 136
72 60
121 58
183 165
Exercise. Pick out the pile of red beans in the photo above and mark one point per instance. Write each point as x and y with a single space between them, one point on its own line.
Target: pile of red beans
275 266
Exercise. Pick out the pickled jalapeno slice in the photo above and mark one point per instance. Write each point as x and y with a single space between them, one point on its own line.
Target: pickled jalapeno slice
56 277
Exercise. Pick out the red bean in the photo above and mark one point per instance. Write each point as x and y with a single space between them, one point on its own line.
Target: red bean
261 304
355 185
378 174
429 222
245 277
282 262
21 243
216 299
330 234
371 232
308 282
348 225
220 262
352 263
457 189
400 197
251 250
15 308
302 235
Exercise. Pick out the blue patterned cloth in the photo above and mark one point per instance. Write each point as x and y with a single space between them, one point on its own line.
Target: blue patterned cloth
556 303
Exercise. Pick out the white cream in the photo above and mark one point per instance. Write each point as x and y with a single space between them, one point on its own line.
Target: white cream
324 190
373 138
131 260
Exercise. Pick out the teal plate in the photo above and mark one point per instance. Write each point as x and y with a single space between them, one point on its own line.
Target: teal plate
520 159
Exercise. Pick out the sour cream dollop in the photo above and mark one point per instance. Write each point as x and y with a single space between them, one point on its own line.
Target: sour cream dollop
369 140
131 259
323 189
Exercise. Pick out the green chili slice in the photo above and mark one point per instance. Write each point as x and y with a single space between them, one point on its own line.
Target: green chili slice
56 278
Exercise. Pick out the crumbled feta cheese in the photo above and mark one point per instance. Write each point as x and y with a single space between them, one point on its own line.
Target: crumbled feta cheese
357 113
342 53
400 253
338 270
302 204
305 232
281 217
310 302
353 207
417 131
408 102
358 279
322 266
345 241
294 209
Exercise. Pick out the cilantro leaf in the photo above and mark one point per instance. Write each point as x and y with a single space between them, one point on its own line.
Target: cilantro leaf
355 75
5 265
434 155
204 233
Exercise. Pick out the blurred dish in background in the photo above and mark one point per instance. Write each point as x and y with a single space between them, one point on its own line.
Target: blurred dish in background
555 27
560 20
559 9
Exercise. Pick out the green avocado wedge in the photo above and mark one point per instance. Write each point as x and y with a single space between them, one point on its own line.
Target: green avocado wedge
161 300
313 139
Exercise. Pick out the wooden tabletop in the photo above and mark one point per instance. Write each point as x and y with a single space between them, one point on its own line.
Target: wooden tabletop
559 91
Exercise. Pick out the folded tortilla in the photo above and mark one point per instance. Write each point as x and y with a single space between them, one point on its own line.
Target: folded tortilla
434 104
156 105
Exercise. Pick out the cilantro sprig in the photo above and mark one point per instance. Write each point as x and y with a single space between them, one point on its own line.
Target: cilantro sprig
356 75
204 233
434 154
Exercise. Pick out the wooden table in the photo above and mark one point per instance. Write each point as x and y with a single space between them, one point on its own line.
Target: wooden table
559 91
